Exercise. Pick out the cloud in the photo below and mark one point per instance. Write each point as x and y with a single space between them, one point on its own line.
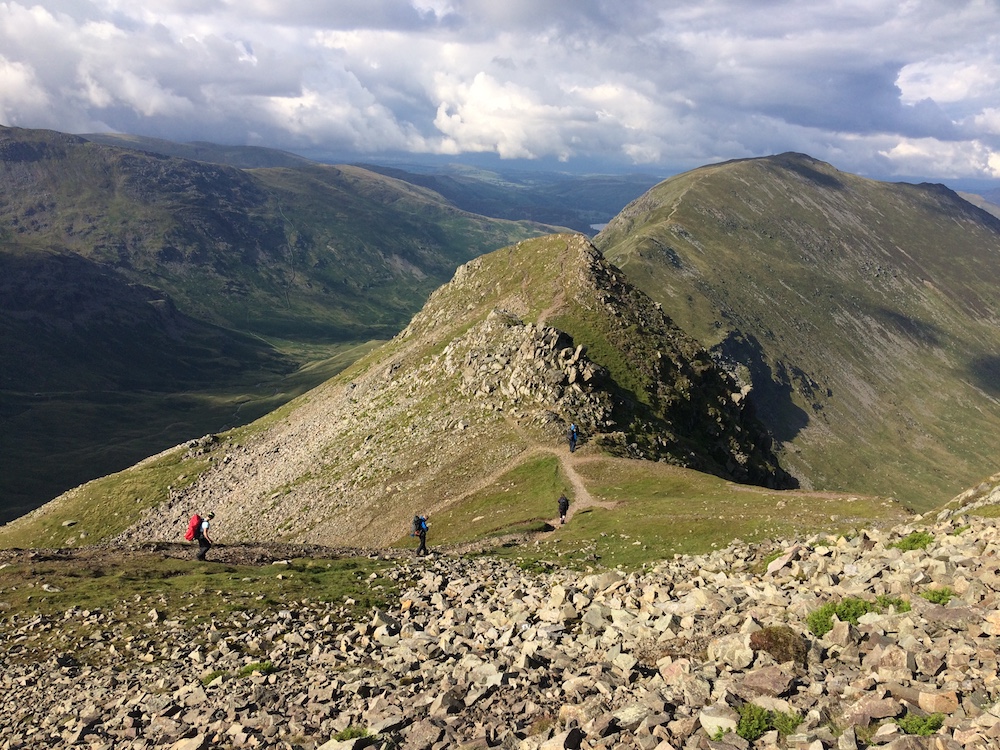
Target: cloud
876 87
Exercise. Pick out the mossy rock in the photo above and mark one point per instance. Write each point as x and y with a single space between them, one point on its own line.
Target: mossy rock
782 643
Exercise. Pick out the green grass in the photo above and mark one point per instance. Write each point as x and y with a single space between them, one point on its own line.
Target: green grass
104 507
938 596
351 733
922 726
194 594
522 500
659 510
258 667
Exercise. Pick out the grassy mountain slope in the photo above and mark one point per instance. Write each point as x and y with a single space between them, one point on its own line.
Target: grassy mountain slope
149 299
463 415
864 313
263 250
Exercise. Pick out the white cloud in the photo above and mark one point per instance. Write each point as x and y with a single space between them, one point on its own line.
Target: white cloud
23 99
947 160
876 86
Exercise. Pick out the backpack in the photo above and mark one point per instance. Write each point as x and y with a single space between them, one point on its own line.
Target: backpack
419 524
194 528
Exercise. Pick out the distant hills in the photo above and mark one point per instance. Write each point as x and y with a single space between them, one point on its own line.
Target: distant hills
864 314
150 298
580 202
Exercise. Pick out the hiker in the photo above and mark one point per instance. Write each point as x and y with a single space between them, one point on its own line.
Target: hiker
574 435
563 507
420 530
201 534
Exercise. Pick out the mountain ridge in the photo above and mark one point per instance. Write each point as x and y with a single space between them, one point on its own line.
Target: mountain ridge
861 313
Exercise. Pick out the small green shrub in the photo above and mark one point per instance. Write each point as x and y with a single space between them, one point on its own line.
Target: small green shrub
820 621
264 667
351 733
938 596
960 530
754 722
913 540
921 725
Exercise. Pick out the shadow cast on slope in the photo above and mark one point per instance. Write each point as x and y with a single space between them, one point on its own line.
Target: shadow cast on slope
772 390
985 373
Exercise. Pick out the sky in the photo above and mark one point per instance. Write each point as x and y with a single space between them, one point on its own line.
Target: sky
883 88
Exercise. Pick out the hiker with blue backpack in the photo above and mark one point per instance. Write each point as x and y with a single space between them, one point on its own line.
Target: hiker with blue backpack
573 436
420 530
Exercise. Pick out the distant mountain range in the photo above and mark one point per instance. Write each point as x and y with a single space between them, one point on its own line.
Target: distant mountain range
801 326
576 202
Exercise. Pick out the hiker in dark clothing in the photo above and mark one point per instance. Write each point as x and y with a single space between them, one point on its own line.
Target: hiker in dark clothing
201 534
573 436
563 507
420 530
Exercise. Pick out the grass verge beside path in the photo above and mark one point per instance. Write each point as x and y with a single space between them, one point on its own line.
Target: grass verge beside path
662 510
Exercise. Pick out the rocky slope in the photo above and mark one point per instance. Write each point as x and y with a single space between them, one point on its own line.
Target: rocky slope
479 653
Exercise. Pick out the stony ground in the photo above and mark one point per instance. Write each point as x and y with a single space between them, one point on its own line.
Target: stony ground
478 653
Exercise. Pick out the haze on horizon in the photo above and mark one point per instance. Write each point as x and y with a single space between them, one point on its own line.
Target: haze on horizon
882 88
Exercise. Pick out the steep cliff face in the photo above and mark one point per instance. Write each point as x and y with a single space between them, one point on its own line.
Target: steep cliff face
492 371
864 314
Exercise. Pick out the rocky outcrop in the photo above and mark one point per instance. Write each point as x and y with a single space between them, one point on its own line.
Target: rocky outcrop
534 369
480 653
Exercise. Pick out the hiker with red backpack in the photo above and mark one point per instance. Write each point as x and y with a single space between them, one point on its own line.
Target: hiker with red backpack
198 529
